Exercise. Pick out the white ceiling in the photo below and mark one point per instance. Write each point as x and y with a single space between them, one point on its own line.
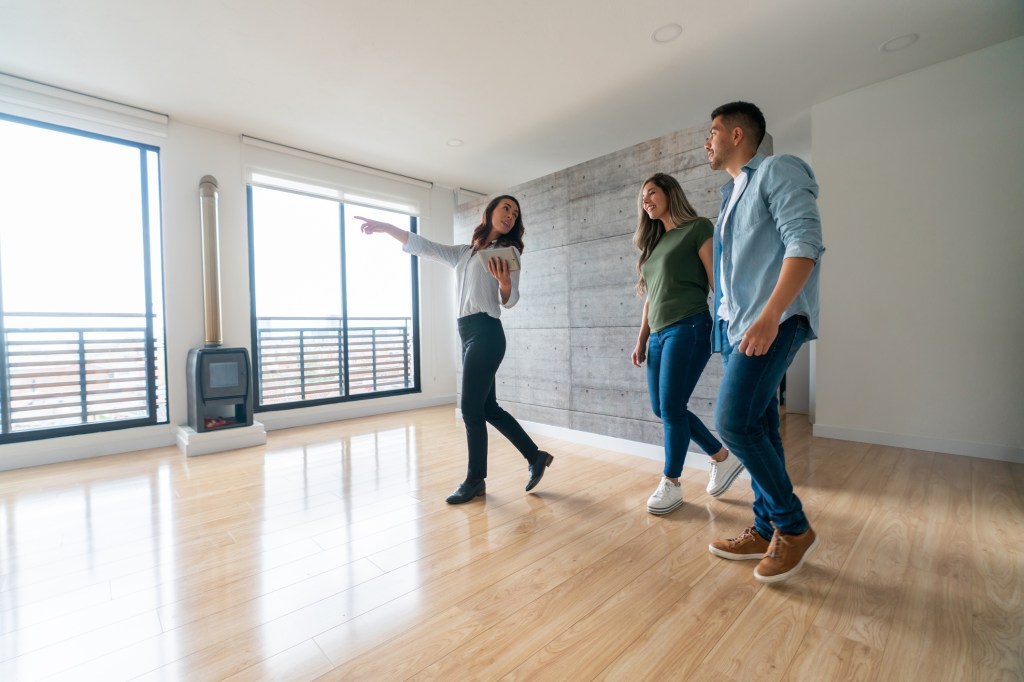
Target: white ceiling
530 86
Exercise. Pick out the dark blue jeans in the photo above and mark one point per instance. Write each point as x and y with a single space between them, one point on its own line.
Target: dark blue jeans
676 357
747 419
483 347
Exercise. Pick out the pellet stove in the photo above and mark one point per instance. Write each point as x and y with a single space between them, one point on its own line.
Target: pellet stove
219 379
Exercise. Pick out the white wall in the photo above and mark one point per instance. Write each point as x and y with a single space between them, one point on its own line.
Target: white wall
922 315
793 136
187 154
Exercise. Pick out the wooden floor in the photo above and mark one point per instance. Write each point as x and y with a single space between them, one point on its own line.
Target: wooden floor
331 554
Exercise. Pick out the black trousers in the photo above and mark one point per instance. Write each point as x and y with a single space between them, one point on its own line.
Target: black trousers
483 347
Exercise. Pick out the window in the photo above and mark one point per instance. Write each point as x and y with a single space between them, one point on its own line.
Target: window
81 307
334 311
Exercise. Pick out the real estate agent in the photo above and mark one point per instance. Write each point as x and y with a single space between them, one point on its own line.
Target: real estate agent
484 286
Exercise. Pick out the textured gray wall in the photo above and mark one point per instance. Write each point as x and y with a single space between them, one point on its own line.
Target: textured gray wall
572 333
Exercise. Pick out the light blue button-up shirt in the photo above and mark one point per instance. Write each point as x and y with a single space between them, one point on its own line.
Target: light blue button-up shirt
776 217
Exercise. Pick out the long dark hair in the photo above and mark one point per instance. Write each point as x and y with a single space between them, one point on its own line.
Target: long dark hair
649 231
514 236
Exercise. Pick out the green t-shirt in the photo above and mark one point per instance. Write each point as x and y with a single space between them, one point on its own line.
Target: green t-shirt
677 284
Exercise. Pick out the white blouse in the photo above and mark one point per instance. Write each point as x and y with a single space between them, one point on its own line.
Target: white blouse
477 289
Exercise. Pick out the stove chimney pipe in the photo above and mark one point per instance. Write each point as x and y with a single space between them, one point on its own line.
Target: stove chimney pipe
208 212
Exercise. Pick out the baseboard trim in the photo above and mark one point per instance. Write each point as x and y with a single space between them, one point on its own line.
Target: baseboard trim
899 440
308 416
630 447
85 446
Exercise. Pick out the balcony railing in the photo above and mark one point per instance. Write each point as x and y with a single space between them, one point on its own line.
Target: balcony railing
67 370
303 358
70 369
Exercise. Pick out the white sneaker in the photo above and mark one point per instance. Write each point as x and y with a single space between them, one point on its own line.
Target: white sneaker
666 497
723 474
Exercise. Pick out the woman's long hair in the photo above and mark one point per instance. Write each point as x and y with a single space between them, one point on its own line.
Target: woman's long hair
649 231
514 236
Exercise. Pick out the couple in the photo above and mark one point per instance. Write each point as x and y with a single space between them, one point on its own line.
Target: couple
761 260
761 257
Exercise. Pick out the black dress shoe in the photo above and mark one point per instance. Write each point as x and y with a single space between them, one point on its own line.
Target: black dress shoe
466 492
537 469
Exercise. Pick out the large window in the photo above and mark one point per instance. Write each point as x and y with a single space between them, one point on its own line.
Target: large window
334 310
81 308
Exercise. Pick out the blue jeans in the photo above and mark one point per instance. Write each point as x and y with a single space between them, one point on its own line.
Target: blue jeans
747 419
676 357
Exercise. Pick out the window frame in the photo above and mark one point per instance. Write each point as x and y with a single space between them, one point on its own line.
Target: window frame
347 397
155 353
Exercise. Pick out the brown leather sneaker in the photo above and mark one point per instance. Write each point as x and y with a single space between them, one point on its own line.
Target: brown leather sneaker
785 555
747 545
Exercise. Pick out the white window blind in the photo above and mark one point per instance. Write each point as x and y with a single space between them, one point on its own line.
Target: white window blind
267 164
39 102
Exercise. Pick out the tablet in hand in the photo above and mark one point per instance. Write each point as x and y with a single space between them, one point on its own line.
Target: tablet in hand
506 253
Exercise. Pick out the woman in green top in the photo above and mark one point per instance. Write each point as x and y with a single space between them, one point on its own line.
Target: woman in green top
674 271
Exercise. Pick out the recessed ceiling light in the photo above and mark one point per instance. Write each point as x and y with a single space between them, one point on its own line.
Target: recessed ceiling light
667 33
455 142
899 43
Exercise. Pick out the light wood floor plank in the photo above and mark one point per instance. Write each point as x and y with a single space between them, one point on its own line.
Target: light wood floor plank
375 592
860 606
488 566
765 637
998 553
825 655
582 541
675 647
331 554
302 662
934 612
517 637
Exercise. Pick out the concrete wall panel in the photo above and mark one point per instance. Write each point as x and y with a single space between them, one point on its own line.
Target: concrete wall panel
543 291
571 336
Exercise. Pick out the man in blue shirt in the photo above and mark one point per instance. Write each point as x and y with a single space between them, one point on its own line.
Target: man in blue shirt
767 250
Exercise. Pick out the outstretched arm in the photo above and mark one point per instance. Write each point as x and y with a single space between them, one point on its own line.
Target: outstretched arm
374 226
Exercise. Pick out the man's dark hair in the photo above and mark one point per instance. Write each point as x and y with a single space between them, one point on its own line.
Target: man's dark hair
743 115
